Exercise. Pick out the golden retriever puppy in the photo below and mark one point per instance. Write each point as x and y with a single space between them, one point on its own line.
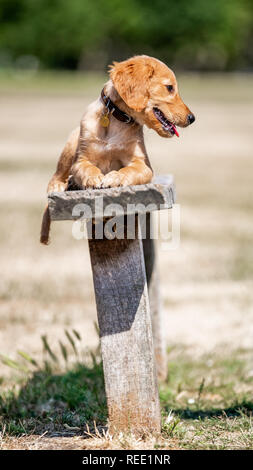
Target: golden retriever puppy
108 149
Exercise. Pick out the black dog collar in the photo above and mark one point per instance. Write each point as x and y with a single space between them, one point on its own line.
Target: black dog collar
113 109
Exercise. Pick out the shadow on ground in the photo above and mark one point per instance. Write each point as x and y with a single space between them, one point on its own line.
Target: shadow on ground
233 411
58 404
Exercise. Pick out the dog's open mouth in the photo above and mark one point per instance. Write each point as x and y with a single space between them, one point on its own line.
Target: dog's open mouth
167 125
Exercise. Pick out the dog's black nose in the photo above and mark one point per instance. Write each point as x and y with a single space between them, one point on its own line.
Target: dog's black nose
191 118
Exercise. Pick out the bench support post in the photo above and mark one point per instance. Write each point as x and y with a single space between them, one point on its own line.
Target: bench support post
126 334
152 274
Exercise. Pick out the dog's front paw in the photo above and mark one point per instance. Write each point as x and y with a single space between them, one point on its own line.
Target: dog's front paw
114 179
56 186
93 182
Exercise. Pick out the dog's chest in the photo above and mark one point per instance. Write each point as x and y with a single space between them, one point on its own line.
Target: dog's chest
109 154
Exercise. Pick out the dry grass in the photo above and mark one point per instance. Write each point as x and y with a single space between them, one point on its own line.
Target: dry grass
207 282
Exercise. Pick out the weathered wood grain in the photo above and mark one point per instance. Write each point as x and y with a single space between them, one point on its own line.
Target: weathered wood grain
160 194
126 334
152 274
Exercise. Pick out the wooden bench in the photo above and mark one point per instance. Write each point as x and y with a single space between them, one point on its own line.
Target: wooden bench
127 293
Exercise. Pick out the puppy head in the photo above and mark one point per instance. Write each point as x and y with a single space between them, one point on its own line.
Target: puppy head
149 88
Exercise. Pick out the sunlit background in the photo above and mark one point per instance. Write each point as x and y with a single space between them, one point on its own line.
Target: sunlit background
53 62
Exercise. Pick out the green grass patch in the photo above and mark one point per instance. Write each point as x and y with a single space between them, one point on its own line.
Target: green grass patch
51 396
208 402
50 401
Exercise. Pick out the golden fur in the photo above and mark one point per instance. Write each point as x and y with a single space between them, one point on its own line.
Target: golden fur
100 157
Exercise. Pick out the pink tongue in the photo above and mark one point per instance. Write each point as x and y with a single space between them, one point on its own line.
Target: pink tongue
175 130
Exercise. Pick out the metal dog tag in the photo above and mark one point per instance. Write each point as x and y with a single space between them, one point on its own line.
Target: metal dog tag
104 120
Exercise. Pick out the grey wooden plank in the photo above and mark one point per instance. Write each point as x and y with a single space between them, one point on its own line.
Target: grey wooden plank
98 203
125 334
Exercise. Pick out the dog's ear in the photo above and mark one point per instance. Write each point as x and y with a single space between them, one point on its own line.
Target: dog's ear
131 79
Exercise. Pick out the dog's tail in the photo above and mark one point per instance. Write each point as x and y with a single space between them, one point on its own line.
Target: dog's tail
45 227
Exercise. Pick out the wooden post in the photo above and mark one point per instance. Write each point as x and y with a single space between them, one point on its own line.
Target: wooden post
119 275
125 334
152 273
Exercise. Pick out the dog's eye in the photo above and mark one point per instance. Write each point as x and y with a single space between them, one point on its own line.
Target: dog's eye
170 88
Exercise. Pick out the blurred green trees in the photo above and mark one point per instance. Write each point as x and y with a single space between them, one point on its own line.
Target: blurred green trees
196 34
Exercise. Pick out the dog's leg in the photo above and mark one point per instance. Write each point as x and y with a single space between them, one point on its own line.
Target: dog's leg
137 172
59 180
85 173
